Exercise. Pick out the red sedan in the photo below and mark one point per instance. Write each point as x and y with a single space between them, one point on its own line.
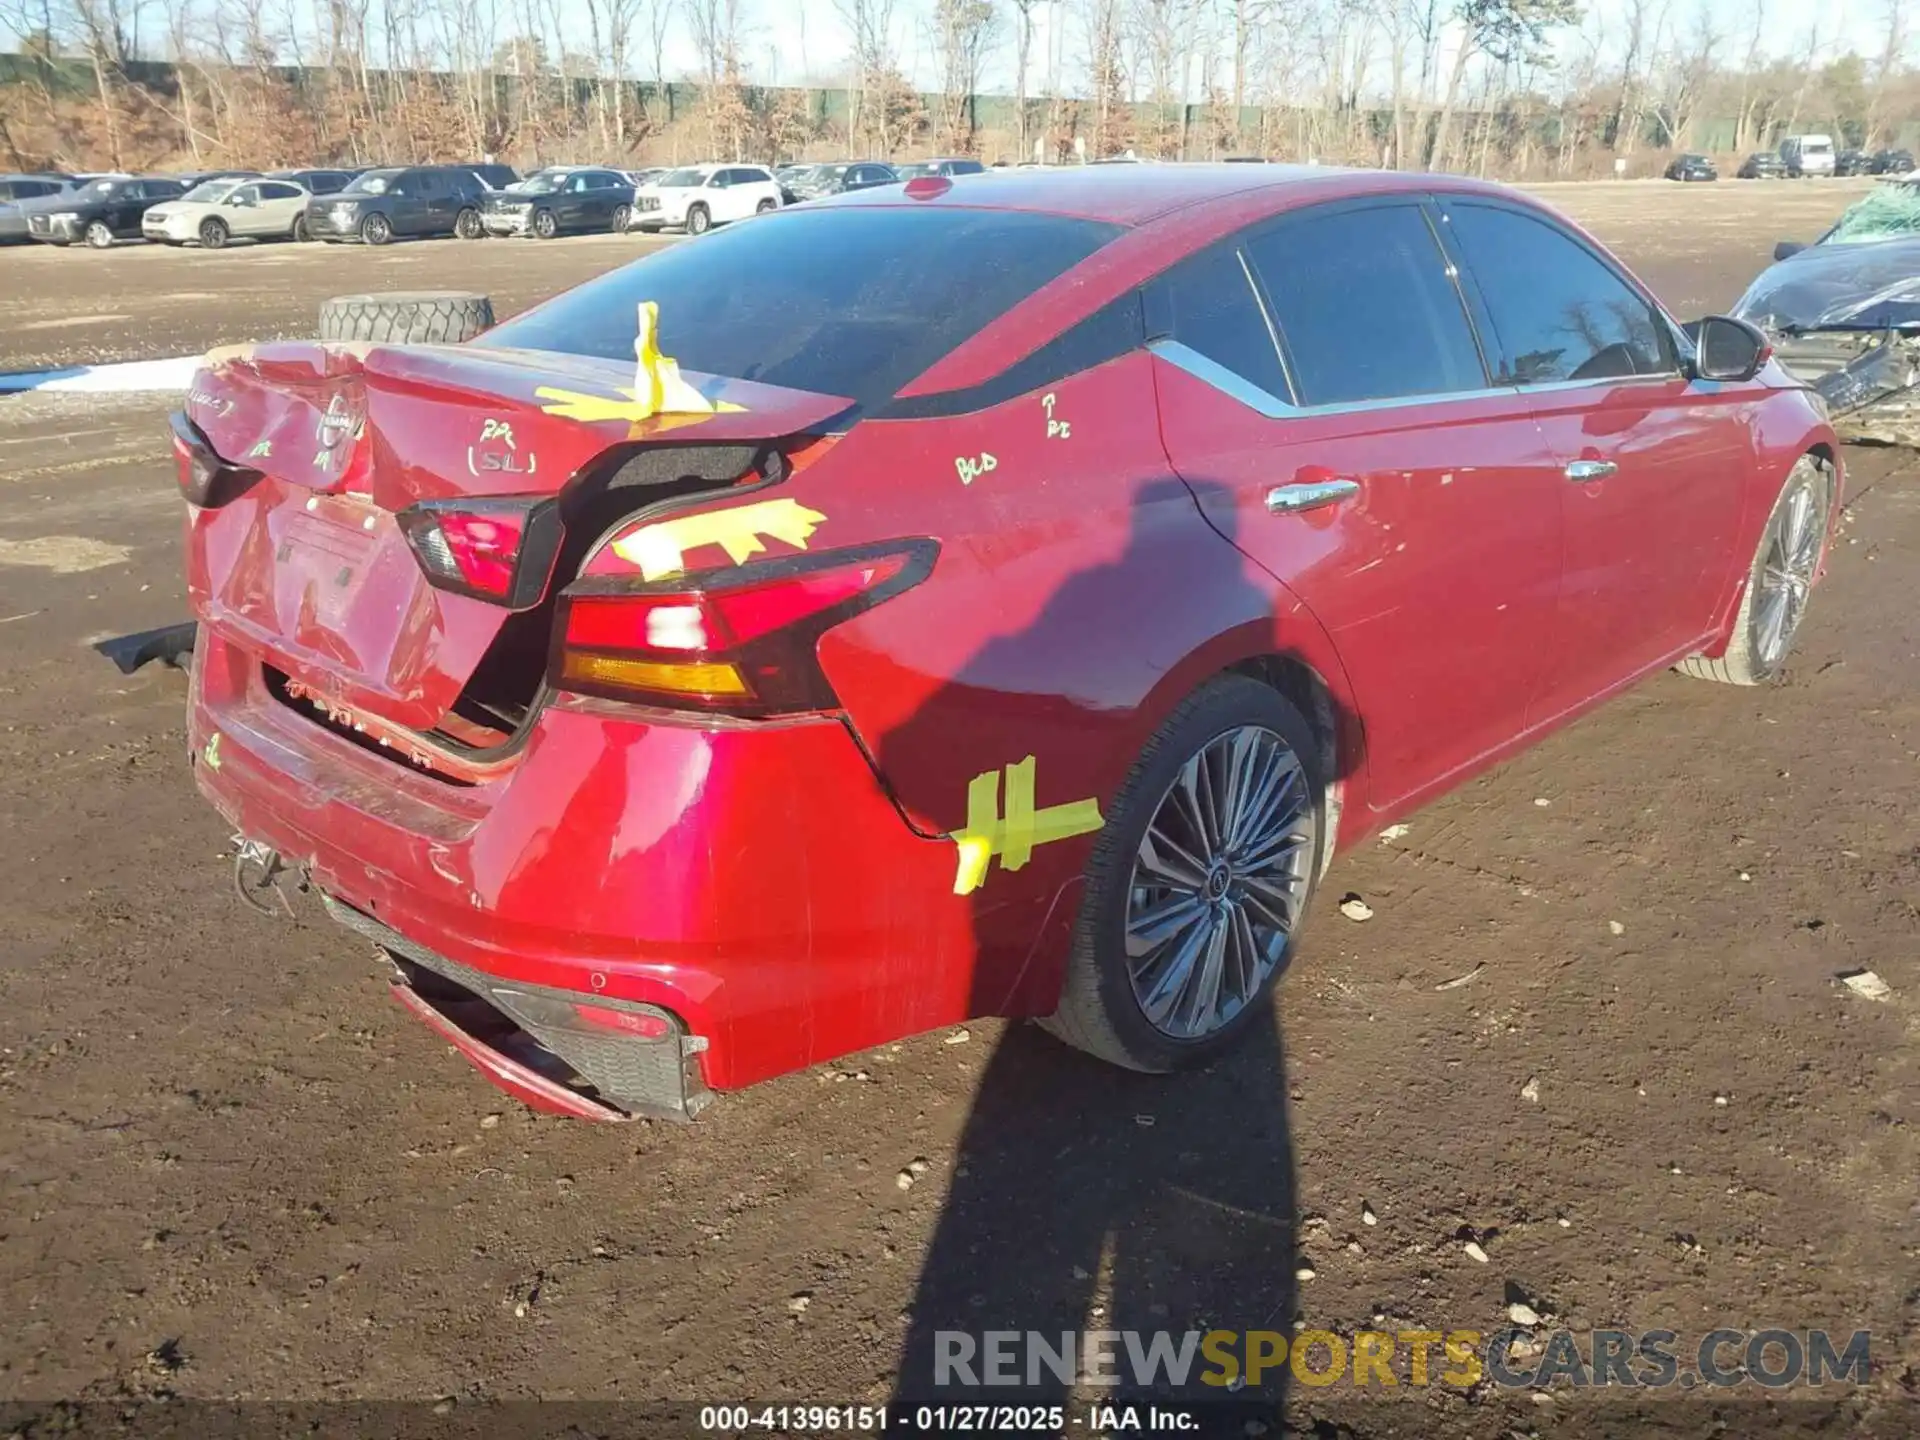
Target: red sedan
1026 588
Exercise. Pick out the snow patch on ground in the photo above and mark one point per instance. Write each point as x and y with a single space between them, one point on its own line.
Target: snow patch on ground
124 378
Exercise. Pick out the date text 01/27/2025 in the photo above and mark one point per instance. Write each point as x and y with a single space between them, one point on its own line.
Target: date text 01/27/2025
944 1419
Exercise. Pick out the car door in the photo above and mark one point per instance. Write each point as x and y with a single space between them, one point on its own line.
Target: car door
1654 462
1370 466
129 202
242 209
280 202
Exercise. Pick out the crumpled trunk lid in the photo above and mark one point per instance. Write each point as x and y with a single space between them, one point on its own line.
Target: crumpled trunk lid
309 568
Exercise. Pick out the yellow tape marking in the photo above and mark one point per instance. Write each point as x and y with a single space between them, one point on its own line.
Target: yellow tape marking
660 550
658 388
1013 837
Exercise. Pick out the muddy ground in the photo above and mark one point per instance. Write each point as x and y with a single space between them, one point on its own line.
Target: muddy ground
233 1168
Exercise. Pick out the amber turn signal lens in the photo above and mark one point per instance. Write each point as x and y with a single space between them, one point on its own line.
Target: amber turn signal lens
670 677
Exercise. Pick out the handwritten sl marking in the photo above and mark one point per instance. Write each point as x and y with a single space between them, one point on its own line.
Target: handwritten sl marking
261 450
1012 837
971 468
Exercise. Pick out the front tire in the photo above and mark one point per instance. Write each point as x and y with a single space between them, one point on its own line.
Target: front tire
545 227
376 230
699 220
99 234
466 225
1197 884
213 233
1779 582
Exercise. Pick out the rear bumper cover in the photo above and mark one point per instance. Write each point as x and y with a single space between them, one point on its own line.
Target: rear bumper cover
752 880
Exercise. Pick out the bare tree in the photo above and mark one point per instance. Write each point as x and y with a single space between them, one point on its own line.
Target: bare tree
1023 47
1504 30
1893 51
964 33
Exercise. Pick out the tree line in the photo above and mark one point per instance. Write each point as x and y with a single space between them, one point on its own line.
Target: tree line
1510 88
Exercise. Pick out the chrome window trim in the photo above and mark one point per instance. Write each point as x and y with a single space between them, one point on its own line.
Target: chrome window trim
1237 387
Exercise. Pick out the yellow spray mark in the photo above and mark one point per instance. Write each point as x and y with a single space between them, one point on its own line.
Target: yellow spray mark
658 388
211 753
1013 836
660 550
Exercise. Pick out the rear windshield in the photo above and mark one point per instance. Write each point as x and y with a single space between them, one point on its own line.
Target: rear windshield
843 301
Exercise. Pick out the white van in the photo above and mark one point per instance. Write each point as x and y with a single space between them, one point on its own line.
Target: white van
1807 154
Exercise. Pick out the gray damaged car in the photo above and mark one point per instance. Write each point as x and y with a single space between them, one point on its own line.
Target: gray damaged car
1844 315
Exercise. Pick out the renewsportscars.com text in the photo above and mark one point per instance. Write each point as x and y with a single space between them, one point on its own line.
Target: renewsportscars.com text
1232 1360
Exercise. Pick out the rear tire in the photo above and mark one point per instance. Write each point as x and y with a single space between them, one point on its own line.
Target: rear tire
699 220
621 215
1774 600
766 207
213 233
299 234
443 317
1102 1009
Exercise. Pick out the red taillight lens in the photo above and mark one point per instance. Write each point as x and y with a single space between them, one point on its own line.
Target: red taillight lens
736 641
498 550
205 479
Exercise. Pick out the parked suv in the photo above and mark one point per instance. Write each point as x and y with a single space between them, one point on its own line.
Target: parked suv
218 210
1692 167
1807 155
417 201
1762 165
316 182
102 211
698 197
840 179
551 202
938 167
16 189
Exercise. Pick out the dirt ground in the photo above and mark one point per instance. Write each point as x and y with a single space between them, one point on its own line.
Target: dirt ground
1593 1027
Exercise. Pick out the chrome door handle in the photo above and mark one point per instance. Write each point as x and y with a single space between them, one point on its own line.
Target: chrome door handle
1291 499
1581 471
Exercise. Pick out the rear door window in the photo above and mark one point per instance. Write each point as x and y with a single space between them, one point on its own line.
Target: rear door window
1216 312
1365 307
1560 312
852 302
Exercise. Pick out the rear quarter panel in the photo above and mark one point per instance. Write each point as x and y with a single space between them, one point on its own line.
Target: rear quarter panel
1079 594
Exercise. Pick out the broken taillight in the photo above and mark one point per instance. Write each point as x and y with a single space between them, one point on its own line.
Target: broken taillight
205 479
500 550
735 641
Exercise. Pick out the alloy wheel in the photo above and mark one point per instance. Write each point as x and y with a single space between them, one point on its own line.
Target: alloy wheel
1786 573
544 225
621 215
1219 881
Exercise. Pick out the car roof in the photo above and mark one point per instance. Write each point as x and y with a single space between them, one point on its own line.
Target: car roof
1135 194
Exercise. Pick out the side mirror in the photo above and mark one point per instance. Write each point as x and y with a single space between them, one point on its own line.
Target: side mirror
1787 248
1729 349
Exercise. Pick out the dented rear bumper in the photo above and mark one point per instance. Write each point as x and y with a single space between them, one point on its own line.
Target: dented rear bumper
751 881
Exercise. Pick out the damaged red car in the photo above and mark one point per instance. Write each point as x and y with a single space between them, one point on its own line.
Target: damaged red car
987 598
